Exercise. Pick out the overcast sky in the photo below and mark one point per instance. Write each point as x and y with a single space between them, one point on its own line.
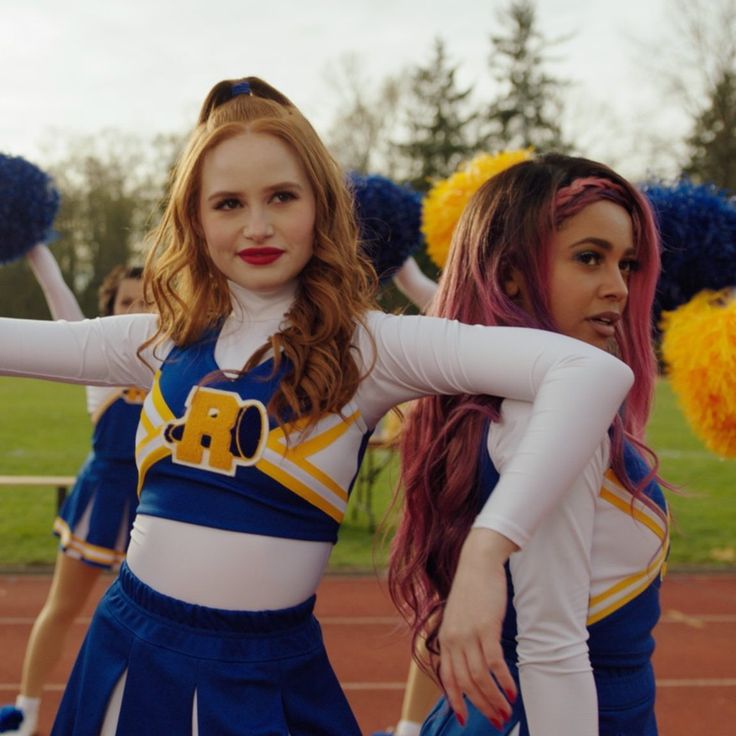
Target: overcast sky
143 66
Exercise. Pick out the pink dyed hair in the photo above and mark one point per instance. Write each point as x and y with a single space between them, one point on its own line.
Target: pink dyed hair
508 224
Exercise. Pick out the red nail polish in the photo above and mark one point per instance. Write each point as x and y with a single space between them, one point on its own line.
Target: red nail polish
511 696
496 723
460 719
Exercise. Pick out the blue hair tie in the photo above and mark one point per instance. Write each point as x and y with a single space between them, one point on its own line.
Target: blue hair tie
240 88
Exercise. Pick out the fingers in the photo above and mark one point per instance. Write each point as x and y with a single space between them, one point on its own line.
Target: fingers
453 691
484 679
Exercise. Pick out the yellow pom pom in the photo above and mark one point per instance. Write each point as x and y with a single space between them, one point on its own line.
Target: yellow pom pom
445 201
699 346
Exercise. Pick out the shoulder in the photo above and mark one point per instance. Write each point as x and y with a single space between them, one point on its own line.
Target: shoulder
133 324
133 331
380 335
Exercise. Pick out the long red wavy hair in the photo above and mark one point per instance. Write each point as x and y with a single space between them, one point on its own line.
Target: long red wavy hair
336 287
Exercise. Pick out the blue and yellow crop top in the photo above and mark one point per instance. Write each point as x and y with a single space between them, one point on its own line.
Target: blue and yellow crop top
209 454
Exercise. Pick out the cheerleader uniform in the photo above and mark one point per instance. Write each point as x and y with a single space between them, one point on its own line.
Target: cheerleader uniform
583 601
209 627
95 520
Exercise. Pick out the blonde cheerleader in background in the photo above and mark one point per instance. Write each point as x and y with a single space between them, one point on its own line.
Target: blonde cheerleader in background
94 522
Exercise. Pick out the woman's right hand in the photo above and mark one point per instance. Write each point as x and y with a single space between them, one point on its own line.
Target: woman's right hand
471 658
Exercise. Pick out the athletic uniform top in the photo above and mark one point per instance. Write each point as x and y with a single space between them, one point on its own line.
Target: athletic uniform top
576 390
209 454
115 420
585 587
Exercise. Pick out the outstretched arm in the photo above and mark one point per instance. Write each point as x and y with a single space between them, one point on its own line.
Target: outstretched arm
60 298
411 281
99 352
576 390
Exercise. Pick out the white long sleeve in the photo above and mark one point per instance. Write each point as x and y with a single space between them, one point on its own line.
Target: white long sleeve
576 390
99 352
552 585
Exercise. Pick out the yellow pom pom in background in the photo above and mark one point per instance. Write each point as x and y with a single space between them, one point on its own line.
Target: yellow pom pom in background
445 201
699 346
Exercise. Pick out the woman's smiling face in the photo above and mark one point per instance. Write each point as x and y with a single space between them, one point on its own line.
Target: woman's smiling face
257 211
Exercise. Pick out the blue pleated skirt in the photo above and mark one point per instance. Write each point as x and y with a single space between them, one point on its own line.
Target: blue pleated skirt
262 673
625 708
95 520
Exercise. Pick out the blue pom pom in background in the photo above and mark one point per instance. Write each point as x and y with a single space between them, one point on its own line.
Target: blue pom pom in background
389 217
697 224
29 202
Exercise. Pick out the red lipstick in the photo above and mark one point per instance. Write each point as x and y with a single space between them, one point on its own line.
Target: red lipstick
260 256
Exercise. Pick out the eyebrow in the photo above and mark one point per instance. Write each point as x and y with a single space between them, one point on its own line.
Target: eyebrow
601 243
224 194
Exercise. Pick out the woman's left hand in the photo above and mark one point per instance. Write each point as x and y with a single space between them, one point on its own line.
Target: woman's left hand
471 658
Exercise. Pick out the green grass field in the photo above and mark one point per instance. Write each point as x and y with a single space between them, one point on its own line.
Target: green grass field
44 430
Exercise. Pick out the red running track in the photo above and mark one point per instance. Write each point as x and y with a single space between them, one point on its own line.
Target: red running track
695 660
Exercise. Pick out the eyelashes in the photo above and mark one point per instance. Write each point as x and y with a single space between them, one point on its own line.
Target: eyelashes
281 197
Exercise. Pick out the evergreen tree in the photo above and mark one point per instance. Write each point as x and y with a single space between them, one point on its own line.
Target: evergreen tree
528 110
436 122
712 143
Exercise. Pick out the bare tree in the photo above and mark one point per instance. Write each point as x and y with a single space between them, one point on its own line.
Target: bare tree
366 119
111 185
697 65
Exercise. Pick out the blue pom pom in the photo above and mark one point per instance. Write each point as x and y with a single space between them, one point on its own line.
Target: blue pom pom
29 202
10 718
697 224
389 217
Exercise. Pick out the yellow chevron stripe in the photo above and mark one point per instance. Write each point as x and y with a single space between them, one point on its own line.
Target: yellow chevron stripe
322 440
147 423
312 470
153 457
298 455
151 431
640 580
623 601
622 501
622 584
633 511
158 400
295 485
